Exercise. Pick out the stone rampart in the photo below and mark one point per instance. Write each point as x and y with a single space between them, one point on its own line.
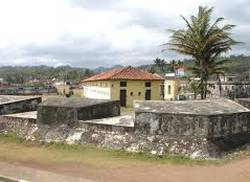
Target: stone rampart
201 130
106 136
71 110
211 119
18 104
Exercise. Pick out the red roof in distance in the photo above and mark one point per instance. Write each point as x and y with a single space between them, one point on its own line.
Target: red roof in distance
126 73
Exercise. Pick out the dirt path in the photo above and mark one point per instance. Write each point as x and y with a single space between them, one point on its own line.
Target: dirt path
20 172
236 171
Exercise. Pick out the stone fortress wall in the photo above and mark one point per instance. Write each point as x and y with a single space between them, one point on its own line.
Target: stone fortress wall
198 128
69 111
32 90
231 89
17 104
211 118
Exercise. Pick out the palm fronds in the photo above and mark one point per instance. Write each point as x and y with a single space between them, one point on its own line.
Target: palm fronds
205 42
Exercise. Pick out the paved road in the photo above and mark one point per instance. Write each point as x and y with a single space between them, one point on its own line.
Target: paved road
33 175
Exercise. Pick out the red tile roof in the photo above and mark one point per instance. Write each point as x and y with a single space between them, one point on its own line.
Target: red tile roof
126 73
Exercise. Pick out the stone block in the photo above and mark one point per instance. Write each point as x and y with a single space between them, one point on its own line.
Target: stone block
206 118
71 110
244 102
17 104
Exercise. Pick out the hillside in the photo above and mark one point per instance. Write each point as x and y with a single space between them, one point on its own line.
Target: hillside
20 75
238 65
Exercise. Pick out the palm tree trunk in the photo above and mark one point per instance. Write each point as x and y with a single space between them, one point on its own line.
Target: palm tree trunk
219 84
202 79
202 88
205 90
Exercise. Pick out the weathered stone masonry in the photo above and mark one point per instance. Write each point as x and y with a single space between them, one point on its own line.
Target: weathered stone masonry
223 123
71 110
17 104
106 136
159 127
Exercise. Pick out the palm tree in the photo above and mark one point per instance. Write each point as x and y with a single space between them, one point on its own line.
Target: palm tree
194 87
219 84
160 63
204 42
172 65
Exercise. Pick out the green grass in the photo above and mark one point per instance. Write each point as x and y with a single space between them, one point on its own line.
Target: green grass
16 149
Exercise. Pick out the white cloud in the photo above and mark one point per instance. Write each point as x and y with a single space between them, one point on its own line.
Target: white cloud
92 33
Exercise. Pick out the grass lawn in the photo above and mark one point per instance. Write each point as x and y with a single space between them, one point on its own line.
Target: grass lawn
14 149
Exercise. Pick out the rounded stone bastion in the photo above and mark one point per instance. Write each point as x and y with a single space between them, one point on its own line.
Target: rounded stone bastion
222 123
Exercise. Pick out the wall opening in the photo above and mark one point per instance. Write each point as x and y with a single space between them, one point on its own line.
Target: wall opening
169 89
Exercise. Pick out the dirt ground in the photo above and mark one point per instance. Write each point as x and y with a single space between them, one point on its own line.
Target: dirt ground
235 171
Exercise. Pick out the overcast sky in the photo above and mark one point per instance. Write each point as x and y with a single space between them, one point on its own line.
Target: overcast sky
93 33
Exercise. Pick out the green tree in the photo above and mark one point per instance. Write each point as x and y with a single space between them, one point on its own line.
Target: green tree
180 63
172 65
160 63
204 42
152 70
194 86
88 72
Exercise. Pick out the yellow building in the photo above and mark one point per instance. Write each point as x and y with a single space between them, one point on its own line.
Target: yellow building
63 88
171 86
124 84
176 88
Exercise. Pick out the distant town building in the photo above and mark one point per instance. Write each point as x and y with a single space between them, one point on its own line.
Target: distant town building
170 86
63 88
228 78
177 87
2 82
231 90
125 84
180 72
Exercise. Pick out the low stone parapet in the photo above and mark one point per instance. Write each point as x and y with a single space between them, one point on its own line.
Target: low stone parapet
208 118
200 129
244 102
71 110
17 104
107 136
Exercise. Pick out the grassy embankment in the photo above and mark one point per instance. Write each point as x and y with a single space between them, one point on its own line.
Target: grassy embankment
13 149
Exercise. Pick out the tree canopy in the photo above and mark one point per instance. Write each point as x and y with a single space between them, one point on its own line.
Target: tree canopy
204 41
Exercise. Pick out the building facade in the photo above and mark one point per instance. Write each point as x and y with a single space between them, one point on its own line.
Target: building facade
231 90
170 86
177 88
124 84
